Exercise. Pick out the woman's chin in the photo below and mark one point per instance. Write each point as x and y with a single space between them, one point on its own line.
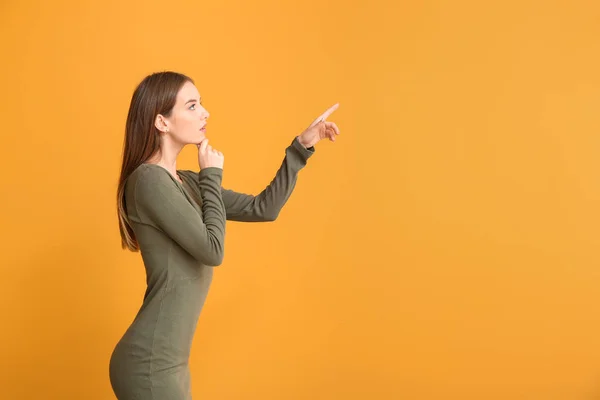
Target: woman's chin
200 139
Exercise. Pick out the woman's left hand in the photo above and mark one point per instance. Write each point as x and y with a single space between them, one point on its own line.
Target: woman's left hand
320 129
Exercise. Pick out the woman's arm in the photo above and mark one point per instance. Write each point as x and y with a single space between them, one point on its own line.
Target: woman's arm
159 203
267 205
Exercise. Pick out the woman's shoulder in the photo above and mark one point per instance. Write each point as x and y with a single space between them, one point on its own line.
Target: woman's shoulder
151 176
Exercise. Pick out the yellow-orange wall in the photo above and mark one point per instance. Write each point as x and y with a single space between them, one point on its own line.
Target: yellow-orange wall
445 247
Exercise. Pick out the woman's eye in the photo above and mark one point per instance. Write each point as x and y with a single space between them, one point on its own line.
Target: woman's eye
192 107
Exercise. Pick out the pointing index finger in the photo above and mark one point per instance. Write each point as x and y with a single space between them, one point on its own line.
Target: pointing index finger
326 114
329 111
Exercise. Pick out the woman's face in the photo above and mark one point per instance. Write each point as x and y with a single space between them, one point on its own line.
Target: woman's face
187 123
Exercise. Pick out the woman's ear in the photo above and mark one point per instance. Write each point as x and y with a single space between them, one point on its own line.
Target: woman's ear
161 124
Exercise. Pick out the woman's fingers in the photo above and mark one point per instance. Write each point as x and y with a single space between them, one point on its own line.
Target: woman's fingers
203 145
329 111
325 115
333 126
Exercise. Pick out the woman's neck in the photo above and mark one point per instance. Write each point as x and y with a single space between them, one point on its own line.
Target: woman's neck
166 157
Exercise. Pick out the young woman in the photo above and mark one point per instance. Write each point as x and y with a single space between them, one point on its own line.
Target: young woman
176 219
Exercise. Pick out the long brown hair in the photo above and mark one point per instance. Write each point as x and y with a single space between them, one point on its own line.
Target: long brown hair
155 94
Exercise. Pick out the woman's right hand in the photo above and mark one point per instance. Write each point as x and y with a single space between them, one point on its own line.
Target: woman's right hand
209 157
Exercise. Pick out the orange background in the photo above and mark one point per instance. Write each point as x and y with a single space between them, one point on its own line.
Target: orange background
445 247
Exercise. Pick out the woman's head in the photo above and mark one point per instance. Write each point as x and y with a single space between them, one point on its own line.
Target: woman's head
185 122
165 111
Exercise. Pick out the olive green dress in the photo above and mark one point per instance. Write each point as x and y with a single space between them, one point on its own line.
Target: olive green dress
180 229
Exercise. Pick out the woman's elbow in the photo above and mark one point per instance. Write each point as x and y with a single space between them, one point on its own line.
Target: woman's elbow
271 216
214 260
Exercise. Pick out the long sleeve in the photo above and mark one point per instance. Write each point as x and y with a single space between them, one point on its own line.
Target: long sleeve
159 202
267 205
